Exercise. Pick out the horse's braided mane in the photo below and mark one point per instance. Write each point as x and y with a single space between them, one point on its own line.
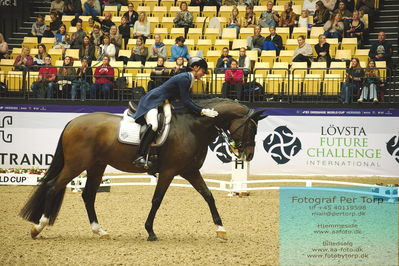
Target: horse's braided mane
207 103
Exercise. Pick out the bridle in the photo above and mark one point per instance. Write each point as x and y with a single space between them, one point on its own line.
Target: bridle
237 148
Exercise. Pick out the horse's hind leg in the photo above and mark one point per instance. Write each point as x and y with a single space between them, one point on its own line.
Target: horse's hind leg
94 177
199 184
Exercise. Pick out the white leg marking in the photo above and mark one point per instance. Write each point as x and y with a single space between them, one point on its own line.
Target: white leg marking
42 223
96 228
220 229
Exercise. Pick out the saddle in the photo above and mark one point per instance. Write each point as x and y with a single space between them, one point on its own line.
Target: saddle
131 132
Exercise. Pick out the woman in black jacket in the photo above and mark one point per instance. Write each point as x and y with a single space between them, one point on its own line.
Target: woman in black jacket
83 81
323 50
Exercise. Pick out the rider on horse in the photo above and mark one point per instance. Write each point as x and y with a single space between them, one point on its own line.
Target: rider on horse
178 86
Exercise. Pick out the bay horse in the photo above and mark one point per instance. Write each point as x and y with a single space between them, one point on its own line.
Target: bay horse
89 142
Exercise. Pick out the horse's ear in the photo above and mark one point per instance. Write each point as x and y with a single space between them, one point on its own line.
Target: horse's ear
257 116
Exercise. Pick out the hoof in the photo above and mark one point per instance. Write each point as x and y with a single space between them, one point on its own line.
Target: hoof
34 232
152 238
106 236
221 235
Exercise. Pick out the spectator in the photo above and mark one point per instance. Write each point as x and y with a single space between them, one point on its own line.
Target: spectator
367 7
269 17
106 22
57 6
38 28
247 2
104 76
179 68
73 7
304 51
131 15
353 81
235 20
329 4
334 28
142 27
309 6
116 38
83 80
139 52
234 80
45 85
91 25
66 74
96 36
55 23
124 30
345 13
77 36
249 18
303 20
323 50
371 81
224 61
244 62
117 3
321 15
106 49
92 8
24 60
159 75
3 47
349 4
200 3
158 49
179 49
356 29
381 50
38 60
62 39
287 17
256 41
273 41
87 50
184 18
47 32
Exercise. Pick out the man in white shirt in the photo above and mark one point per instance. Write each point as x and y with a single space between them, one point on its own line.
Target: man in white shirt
244 61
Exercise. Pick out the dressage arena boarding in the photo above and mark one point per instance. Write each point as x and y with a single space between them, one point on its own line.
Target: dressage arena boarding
184 225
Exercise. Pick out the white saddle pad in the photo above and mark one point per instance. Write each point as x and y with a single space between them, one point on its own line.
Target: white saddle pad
129 132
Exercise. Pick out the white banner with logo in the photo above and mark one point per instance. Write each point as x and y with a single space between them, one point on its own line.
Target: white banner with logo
293 142
18 179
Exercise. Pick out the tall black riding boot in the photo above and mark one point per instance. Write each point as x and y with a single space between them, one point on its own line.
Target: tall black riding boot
144 147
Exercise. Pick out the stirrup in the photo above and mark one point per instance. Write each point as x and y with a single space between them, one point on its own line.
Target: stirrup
141 161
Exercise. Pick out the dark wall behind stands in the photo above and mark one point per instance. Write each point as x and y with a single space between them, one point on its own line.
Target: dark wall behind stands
12 15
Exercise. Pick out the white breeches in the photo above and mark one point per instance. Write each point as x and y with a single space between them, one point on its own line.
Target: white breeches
151 117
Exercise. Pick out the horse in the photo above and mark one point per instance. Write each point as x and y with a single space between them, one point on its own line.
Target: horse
89 143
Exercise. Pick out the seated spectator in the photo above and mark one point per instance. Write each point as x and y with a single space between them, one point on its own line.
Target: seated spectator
73 7
47 32
287 17
45 85
303 20
356 29
24 60
62 39
321 15
200 3
77 36
106 23
92 8
139 52
116 38
38 28
57 6
131 15
104 76
117 3
371 81
158 49
55 23
96 36
349 4
83 80
381 50
345 13
269 17
3 47
353 81
334 28
124 30
249 20
329 4
66 74
142 27
159 75
106 49
38 60
367 7
224 61
184 18
91 25
234 20
309 6
304 51
87 50
323 50
179 49
244 62
234 80
247 2
256 41
179 68
273 41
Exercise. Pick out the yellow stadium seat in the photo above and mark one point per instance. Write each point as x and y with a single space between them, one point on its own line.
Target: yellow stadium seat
204 44
209 11
126 53
176 32
66 20
48 42
167 3
118 68
297 31
163 32
149 66
7 65
332 84
199 86
150 3
265 32
192 53
213 56
253 55
312 84
225 11
218 83
2 76
173 11
149 43
145 9
286 56
363 64
195 10
382 65
160 11
223 21
133 67
30 42
154 22
142 79
238 43
349 44
280 68
362 54
343 55
291 44
71 30
59 63
268 56
262 68
316 31
284 32
246 32
117 21
295 84
74 53
318 68
333 42
211 34
234 53
220 44
14 80
338 68
299 69
194 34
56 54
199 22
168 44
167 22
15 52
190 44
229 34
77 63
111 9
259 9
297 9
32 77
123 10
274 84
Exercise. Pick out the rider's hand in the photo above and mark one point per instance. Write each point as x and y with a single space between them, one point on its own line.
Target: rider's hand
209 112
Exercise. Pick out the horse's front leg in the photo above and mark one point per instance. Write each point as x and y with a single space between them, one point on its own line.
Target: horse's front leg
198 183
164 181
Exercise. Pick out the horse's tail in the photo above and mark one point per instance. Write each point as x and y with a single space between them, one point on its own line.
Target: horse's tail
34 207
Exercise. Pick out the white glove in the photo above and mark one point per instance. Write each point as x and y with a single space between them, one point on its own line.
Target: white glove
209 112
